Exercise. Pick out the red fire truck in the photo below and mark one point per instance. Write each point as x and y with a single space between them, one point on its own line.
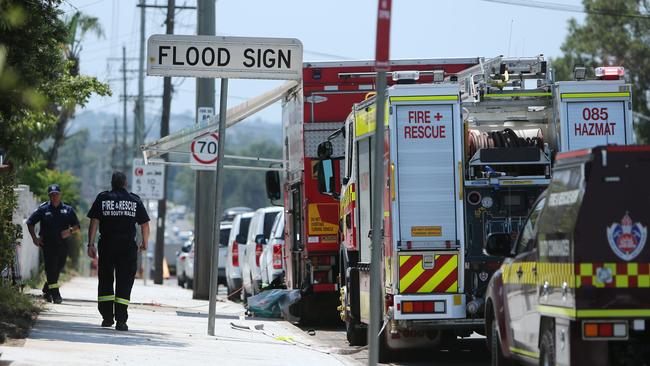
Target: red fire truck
314 112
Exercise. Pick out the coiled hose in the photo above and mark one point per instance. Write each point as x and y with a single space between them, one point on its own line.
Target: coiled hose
503 138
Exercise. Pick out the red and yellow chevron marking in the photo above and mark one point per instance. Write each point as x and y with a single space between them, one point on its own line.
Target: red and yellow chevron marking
443 277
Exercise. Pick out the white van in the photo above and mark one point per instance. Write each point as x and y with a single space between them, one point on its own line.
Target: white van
235 251
258 235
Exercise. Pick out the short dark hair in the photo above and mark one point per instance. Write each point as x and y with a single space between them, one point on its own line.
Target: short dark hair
118 180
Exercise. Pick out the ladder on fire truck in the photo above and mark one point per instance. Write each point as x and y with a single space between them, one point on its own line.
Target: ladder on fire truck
499 73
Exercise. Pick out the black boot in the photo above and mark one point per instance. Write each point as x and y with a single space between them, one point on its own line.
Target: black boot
122 326
107 323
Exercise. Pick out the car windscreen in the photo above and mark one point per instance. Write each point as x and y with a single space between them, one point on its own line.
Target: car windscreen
243 227
269 218
223 237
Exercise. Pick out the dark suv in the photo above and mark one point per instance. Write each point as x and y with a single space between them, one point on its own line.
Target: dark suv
574 289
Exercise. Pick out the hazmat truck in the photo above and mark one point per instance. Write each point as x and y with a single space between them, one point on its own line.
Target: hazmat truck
465 157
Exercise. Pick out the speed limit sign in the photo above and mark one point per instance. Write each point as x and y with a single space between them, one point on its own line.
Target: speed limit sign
204 152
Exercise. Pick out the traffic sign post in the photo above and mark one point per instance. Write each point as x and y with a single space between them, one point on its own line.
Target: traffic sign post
148 180
204 152
221 57
224 57
376 249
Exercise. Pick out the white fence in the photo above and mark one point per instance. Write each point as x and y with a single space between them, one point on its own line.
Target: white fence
27 252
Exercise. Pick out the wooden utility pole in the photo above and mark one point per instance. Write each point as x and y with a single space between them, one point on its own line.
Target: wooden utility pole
164 131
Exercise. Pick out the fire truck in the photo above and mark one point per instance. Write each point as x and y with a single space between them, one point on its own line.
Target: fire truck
311 113
465 157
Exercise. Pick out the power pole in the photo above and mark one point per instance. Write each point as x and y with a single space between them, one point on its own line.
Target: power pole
204 218
164 131
138 136
124 128
115 147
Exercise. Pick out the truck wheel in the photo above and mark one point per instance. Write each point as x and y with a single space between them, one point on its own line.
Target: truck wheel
495 346
547 348
385 352
354 333
179 278
189 283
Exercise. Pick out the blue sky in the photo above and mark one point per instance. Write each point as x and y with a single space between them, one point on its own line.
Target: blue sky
329 30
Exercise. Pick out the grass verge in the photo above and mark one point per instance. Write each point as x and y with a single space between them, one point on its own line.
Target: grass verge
17 313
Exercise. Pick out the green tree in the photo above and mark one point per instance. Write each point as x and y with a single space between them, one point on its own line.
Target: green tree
615 32
35 85
77 26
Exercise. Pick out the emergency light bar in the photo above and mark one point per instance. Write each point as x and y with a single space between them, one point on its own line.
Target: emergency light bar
610 72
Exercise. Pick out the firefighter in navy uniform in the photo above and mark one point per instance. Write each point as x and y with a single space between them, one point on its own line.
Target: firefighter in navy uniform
116 212
58 221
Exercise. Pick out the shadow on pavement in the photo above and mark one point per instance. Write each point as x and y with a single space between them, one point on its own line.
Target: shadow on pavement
77 332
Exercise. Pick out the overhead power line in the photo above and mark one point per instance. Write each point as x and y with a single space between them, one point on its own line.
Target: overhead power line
568 8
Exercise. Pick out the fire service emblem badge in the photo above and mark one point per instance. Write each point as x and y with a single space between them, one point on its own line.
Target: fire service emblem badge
627 238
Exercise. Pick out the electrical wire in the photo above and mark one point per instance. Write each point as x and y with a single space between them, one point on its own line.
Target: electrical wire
568 8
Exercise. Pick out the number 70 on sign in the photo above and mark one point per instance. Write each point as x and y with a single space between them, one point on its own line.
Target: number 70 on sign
204 152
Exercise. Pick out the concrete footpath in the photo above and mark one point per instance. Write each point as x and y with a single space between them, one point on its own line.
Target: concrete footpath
166 327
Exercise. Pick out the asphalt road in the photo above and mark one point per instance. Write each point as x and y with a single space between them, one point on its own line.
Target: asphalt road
470 352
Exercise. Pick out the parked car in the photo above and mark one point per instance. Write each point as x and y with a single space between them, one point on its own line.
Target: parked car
236 245
272 262
224 234
182 257
258 234
230 213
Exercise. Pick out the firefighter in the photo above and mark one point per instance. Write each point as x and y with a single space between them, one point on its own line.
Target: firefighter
58 221
116 212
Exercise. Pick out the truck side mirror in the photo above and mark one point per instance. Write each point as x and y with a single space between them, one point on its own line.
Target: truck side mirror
326 178
260 239
240 238
499 244
273 185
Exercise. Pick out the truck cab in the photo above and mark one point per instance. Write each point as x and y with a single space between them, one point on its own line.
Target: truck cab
574 286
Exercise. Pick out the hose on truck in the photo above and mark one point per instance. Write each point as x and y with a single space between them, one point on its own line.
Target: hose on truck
506 138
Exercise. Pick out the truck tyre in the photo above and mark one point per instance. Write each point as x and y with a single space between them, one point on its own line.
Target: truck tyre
189 283
495 346
180 279
355 334
385 352
547 348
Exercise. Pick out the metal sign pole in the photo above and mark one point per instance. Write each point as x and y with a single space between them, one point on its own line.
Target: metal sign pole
378 184
214 271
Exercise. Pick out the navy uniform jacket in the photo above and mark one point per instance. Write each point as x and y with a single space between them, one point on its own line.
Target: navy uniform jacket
118 211
53 221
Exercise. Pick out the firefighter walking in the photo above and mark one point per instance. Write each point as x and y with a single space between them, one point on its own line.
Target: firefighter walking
57 222
116 212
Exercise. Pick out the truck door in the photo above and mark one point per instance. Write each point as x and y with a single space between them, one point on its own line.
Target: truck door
426 175
295 231
522 289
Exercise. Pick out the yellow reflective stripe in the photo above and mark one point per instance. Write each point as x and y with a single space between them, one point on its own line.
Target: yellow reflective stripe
524 352
510 95
556 310
592 313
106 298
424 98
53 285
589 313
595 95
122 301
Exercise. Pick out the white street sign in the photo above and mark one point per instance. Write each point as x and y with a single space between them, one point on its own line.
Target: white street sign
204 114
148 180
224 57
204 152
